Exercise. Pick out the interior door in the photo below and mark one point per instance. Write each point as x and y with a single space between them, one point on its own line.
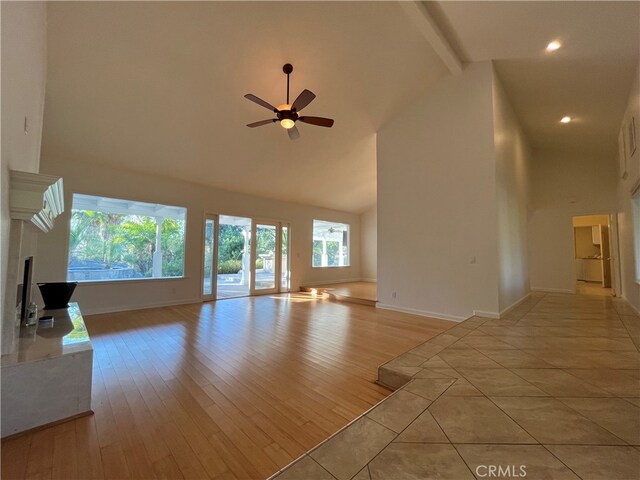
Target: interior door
605 248
265 257
210 256
616 280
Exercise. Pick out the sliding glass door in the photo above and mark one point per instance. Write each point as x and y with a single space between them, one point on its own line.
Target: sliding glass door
234 257
285 269
266 255
209 254
243 256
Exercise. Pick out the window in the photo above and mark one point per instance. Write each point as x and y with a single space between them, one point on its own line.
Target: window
112 239
330 244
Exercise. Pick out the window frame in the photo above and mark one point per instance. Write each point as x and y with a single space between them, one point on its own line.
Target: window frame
128 280
347 244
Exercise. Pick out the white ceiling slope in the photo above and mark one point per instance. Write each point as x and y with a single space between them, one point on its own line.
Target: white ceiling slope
588 78
158 87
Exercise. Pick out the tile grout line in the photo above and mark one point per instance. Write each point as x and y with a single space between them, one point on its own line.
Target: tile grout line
562 462
498 407
555 398
317 463
626 328
449 438
411 423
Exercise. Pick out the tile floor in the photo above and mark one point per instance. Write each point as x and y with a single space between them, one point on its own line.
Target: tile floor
550 391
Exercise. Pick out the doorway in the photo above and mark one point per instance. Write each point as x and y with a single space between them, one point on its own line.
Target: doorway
265 253
244 256
594 262
209 255
234 257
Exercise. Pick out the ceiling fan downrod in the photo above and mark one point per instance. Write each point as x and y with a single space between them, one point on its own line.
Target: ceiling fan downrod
287 68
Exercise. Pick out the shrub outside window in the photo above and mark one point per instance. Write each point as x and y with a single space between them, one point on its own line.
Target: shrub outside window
330 244
113 239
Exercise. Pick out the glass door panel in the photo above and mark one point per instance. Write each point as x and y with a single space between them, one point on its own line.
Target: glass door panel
266 257
284 263
234 257
208 278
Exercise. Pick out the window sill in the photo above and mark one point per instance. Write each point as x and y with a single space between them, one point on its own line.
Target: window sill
130 280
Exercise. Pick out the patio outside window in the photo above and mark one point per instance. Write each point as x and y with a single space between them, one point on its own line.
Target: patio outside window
330 244
112 239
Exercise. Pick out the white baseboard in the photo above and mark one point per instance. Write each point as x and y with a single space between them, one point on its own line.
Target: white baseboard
552 290
514 304
126 308
422 313
480 313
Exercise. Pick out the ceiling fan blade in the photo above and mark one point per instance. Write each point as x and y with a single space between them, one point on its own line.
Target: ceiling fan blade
259 101
261 122
320 121
304 99
293 132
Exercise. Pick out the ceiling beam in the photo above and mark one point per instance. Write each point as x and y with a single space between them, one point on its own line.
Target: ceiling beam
432 33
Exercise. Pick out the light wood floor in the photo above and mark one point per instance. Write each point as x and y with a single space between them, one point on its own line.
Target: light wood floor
231 389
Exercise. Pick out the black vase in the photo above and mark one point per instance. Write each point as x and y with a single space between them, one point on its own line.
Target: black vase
56 294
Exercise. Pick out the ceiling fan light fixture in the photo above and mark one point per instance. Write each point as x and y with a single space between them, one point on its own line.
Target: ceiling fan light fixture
554 45
287 114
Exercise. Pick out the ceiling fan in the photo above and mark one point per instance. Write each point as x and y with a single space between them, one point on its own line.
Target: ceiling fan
287 114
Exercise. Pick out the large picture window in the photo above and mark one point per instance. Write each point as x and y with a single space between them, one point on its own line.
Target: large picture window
112 239
330 244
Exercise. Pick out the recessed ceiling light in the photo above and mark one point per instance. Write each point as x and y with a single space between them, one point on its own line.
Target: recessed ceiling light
565 119
553 46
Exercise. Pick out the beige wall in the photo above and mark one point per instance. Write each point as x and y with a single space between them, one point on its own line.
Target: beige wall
107 181
437 222
512 155
565 184
23 85
630 287
369 243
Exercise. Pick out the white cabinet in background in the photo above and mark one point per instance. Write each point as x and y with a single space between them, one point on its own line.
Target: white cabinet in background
593 270
589 269
596 234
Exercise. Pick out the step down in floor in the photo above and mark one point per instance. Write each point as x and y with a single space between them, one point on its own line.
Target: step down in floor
336 297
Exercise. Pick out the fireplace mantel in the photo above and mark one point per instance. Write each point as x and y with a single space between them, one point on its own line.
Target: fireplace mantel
36 198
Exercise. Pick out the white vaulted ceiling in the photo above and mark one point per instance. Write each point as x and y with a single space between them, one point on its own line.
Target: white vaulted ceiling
158 87
588 78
